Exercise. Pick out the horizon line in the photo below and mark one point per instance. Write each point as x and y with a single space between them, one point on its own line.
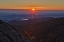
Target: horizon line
29 9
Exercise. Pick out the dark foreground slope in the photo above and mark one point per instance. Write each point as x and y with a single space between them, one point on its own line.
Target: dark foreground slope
10 34
51 30
46 31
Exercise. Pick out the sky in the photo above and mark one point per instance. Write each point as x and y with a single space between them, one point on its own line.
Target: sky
28 4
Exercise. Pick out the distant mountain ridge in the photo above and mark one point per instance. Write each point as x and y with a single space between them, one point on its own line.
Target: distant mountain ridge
29 21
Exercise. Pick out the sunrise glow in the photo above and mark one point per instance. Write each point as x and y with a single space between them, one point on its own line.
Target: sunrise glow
33 9
28 4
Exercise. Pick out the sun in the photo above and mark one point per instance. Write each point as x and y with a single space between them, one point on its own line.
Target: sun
33 9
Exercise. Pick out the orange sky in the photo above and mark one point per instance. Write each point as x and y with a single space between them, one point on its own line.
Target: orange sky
28 4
